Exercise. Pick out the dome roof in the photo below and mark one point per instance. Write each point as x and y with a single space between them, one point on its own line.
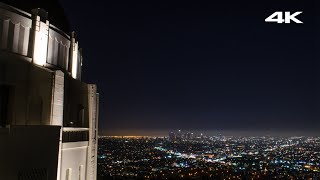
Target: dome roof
53 7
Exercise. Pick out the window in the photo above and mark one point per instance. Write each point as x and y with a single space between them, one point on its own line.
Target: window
80 119
4 104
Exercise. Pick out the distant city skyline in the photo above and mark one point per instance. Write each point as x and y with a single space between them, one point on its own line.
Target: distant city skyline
209 157
162 133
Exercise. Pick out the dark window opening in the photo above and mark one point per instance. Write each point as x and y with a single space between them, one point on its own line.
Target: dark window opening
80 119
4 104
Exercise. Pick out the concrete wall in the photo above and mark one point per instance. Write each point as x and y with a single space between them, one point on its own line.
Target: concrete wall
15 30
19 35
93 100
45 97
74 160
29 151
31 89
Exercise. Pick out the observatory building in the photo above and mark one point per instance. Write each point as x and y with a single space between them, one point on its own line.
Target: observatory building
48 116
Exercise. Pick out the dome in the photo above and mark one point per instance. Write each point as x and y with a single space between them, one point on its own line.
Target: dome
53 7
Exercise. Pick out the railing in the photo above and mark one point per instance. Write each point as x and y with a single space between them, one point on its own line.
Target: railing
75 134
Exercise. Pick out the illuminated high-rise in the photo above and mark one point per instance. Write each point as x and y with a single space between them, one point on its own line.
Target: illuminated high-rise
172 136
48 116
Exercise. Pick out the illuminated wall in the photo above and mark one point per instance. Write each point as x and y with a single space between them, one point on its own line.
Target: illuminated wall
28 155
74 159
33 36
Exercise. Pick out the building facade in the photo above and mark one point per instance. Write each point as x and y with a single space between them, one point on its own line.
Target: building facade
48 116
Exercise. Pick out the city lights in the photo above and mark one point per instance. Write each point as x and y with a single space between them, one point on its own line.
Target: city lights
217 157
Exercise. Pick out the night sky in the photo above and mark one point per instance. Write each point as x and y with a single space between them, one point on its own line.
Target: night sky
203 66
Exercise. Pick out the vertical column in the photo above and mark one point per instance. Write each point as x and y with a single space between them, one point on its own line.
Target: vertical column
80 63
57 99
96 114
57 110
40 32
69 174
74 56
93 99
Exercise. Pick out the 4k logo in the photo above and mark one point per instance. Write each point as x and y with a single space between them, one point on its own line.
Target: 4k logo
288 17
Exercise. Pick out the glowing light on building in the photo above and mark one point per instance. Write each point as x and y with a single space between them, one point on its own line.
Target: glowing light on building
40 42
74 59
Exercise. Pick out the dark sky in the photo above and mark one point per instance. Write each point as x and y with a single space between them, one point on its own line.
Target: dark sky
209 66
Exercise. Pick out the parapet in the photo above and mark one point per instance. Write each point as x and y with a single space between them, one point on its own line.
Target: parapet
32 35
